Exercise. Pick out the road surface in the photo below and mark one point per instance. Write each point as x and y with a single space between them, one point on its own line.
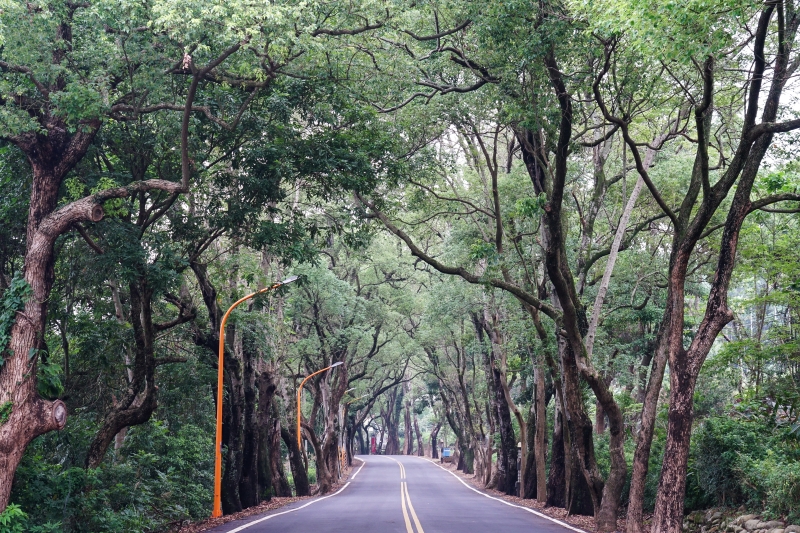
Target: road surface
399 494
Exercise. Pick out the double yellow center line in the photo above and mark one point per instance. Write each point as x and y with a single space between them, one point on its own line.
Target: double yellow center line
405 502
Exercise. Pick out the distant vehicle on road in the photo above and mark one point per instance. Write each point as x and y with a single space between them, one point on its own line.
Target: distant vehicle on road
446 455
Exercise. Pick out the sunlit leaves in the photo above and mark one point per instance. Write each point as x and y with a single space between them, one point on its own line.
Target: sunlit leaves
669 29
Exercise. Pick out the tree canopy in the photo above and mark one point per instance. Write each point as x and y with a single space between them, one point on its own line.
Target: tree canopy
568 225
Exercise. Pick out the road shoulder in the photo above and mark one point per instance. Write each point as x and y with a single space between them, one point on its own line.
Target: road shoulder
266 508
582 523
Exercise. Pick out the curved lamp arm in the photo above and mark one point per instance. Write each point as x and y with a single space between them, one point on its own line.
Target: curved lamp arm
300 391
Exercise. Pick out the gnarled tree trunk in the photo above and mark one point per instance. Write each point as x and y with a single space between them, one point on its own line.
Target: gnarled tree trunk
299 473
435 441
51 153
420 447
140 402
408 448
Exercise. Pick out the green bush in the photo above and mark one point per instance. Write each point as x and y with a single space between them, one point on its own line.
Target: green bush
772 484
737 461
13 519
159 477
716 448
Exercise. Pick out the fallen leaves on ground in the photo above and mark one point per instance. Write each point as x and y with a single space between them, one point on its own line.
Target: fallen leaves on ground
262 508
585 523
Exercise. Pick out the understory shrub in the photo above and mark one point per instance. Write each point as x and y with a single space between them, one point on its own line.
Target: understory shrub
737 461
158 478
716 448
772 484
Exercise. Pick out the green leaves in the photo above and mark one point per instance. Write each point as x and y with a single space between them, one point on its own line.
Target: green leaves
13 519
530 207
670 30
5 412
481 250
48 382
12 301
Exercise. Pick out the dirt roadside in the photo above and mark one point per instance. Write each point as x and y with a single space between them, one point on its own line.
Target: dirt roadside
264 507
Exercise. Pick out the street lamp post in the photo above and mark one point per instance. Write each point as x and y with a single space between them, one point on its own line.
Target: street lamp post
300 391
217 512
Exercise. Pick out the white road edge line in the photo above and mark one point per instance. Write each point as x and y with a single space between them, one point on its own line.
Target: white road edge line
363 462
541 515
254 522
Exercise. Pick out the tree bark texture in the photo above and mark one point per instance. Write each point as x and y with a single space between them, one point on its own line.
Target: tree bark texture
141 400
557 478
435 441
52 154
540 434
408 448
420 447
299 472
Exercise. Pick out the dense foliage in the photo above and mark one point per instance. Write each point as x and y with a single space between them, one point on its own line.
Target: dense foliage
570 225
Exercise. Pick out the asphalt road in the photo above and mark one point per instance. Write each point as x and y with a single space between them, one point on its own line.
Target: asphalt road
399 494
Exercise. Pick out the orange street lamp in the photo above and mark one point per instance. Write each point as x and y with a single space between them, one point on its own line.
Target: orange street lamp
300 390
217 512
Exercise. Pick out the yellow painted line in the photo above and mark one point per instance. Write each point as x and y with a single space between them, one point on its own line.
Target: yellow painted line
403 505
402 468
411 508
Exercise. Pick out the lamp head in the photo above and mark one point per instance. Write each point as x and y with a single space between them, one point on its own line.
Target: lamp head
337 363
289 280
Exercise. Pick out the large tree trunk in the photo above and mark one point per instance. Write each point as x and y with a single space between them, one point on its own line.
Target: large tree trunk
507 460
529 488
420 447
390 416
672 485
381 449
350 437
644 439
540 435
327 449
140 402
499 415
435 441
585 475
363 439
299 473
251 432
232 435
271 478
408 448
536 474
324 476
557 479
507 474
51 154
280 483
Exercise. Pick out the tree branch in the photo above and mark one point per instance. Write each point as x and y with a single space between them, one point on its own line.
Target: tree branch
459 271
